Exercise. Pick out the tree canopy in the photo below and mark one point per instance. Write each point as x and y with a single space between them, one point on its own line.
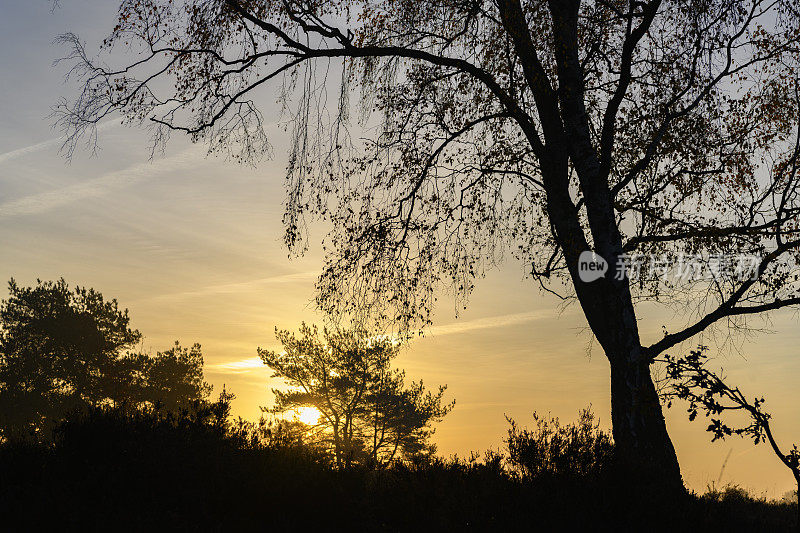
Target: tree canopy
367 412
65 349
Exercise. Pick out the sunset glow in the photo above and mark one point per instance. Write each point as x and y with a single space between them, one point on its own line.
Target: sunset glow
192 244
308 415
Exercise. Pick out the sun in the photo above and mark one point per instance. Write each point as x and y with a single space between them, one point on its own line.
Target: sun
308 415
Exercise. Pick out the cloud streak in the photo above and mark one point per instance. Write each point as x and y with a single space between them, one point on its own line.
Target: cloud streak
44 145
45 201
499 321
244 286
489 322
236 367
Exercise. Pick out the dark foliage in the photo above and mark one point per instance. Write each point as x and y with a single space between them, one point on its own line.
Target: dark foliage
691 380
368 414
146 469
578 451
65 349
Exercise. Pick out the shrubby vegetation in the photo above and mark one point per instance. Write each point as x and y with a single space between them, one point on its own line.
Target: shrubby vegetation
145 468
690 379
550 450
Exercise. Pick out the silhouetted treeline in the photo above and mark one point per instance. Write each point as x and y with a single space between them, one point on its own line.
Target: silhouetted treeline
63 350
120 468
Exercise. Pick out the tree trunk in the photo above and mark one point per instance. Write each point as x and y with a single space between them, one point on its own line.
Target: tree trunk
644 449
797 500
645 453
337 444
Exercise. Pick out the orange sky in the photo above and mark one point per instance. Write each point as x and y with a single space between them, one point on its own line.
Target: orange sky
192 246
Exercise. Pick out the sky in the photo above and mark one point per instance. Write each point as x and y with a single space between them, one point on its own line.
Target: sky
192 246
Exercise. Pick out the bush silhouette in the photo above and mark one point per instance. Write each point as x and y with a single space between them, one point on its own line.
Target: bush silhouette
577 450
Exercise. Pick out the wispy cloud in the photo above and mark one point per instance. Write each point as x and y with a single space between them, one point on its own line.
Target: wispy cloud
45 201
244 286
236 367
44 145
499 321
489 322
